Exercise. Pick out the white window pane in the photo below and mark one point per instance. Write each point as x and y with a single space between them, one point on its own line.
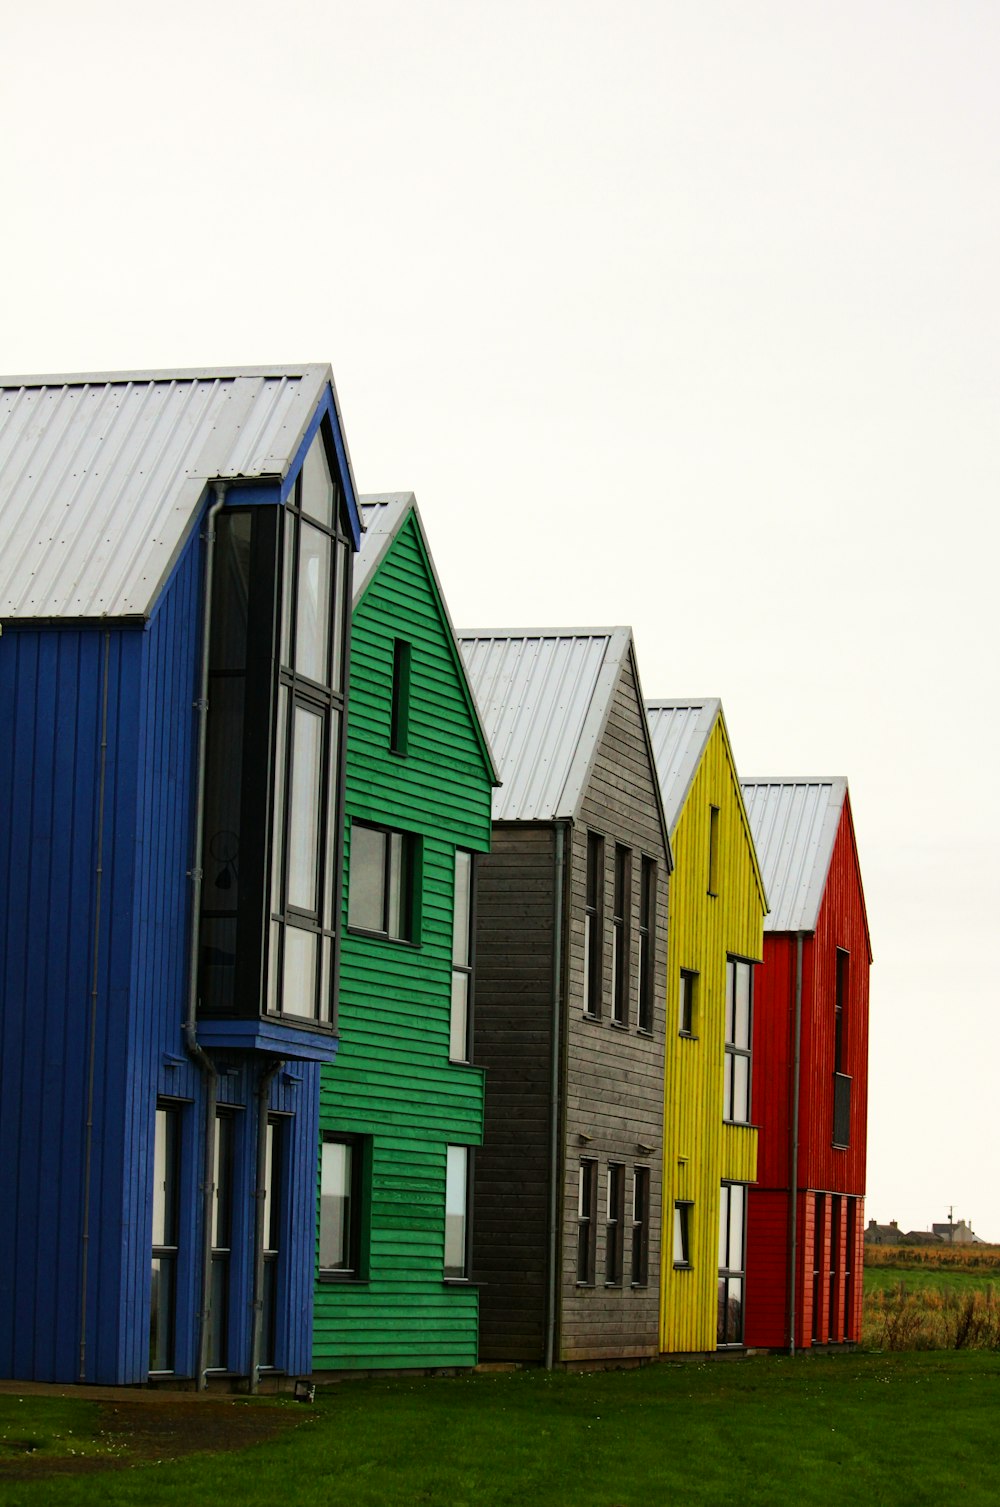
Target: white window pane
335 1208
280 763
723 1227
458 1049
304 817
742 1015
312 616
455 1201
298 994
365 905
736 1228
317 483
395 923
741 1089
463 908
331 898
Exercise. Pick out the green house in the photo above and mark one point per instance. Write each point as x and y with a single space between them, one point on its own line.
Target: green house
402 1112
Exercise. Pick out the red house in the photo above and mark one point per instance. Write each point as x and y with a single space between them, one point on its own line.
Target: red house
810 1056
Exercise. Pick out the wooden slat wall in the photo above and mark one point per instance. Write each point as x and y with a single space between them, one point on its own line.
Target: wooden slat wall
704 931
392 1080
614 1077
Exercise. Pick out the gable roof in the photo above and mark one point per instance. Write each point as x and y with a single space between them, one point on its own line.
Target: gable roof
102 475
680 731
382 516
795 824
545 696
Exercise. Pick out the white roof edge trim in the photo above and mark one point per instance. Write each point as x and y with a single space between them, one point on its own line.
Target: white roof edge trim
165 374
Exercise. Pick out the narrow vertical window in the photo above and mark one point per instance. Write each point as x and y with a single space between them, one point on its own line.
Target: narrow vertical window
732 1237
586 1240
841 1079
222 1241
840 1004
640 1226
736 1096
620 936
682 1233
593 928
163 1271
456 1221
271 1193
340 1207
833 1306
647 943
713 850
399 724
615 1227
688 1000
460 1048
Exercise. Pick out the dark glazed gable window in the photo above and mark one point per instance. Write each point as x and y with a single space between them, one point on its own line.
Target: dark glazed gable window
593 927
620 936
736 1096
382 881
714 816
615 1225
399 725
586 1238
280 589
647 943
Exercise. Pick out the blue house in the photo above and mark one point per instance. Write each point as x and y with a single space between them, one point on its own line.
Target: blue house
175 588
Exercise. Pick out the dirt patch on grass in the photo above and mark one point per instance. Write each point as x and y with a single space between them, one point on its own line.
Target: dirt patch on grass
135 1433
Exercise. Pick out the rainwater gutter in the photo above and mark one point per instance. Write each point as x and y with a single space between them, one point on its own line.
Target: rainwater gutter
260 1200
793 1213
88 1137
195 1050
555 1182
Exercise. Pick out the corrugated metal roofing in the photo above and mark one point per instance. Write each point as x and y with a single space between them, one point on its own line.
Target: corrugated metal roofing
544 696
101 475
680 731
794 824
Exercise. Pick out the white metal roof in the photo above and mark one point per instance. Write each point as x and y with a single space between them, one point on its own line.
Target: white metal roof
680 731
794 824
101 475
544 696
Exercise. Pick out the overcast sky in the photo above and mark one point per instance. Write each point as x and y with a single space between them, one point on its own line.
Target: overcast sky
683 315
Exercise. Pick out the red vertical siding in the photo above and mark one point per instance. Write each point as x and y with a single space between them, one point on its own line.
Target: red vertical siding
766 1319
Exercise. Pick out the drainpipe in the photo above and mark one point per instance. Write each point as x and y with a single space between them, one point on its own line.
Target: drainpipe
793 1214
88 1137
210 1073
555 1161
260 1197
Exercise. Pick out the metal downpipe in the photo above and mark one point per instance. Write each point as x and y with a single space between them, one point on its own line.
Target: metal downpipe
192 1046
555 1182
793 1214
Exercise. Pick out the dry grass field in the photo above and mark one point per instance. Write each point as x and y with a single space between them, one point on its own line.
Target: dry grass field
932 1298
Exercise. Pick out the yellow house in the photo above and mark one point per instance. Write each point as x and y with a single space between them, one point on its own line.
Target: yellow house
715 936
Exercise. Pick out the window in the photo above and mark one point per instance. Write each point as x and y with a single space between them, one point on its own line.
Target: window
840 1004
456 1221
272 815
586 1244
272 1239
832 1305
732 1228
688 1002
841 1080
460 1047
682 1233
342 1162
382 881
222 1241
163 1271
615 1230
399 725
620 936
736 1097
593 928
713 849
647 943
640 1226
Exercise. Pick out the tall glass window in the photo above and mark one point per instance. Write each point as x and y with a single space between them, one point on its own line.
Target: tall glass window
456 1213
165 1238
736 1094
593 927
732 1265
647 943
272 1240
620 936
461 960
222 1241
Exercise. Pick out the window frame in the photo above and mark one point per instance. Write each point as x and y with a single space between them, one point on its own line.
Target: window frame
647 944
729 1275
223 1216
466 969
593 928
682 1228
614 1228
735 1052
687 1003
586 1239
165 1250
355 1270
410 866
453 1277
399 709
621 937
639 1244
714 823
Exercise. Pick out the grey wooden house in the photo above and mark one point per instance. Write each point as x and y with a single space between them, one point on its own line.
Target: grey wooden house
571 925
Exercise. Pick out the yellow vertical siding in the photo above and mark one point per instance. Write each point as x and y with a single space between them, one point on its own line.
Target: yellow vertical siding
699 1150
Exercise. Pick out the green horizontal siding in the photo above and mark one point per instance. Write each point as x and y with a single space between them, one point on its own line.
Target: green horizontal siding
392 1079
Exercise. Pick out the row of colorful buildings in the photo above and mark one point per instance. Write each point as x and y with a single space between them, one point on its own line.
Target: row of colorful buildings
376 995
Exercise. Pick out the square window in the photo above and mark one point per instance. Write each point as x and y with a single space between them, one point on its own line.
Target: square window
382 881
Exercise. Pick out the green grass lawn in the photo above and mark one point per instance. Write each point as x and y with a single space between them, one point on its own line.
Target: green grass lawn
913 1428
